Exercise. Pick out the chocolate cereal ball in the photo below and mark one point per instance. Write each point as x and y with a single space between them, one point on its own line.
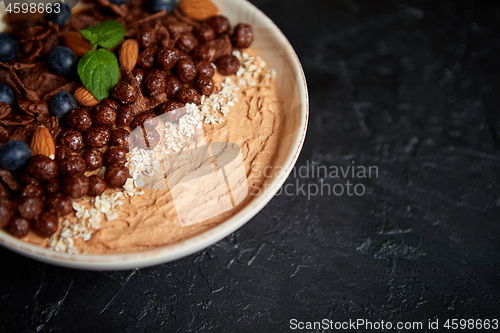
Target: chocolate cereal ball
155 82
145 138
97 185
42 167
146 59
220 24
52 186
227 65
124 93
19 226
242 36
30 207
205 68
204 52
80 119
189 95
115 155
173 85
62 153
104 115
97 136
120 137
75 185
186 42
93 158
204 85
186 70
204 33
73 163
112 103
146 37
72 139
32 190
147 118
60 204
138 74
116 175
171 111
125 116
46 224
167 57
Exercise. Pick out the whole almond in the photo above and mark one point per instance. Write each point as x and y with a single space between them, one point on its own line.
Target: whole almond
84 97
129 53
75 41
198 9
42 143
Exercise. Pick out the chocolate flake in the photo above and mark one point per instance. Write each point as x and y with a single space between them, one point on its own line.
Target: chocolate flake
38 36
36 109
30 95
4 110
20 66
68 87
4 135
41 80
9 180
17 121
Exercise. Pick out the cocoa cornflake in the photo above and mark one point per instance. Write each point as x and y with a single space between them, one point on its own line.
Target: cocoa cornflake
51 42
19 134
52 125
30 95
39 35
9 180
17 121
68 87
21 66
32 32
4 110
41 80
4 135
34 109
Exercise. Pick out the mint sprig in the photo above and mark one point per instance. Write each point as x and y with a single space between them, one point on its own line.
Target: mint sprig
98 69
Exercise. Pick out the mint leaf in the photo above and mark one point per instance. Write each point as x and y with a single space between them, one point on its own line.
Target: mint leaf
106 34
99 72
87 34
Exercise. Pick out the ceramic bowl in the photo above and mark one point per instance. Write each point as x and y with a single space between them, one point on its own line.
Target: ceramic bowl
272 46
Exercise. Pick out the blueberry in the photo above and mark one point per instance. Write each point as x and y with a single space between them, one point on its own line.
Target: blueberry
8 48
14 155
62 16
62 103
158 5
118 2
6 95
63 61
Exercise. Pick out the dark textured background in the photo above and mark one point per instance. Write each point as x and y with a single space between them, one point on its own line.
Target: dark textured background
408 86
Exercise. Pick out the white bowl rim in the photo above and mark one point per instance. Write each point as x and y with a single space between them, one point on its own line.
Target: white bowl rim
196 243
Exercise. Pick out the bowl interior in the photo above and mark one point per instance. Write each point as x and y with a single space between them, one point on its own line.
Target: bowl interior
275 49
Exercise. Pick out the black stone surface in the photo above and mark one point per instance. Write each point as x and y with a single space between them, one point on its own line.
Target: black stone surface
410 87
